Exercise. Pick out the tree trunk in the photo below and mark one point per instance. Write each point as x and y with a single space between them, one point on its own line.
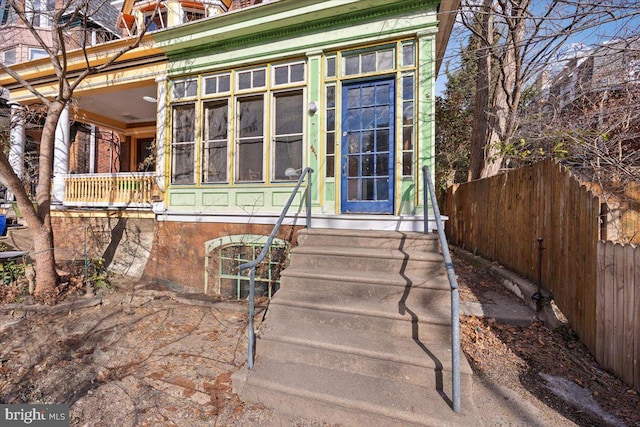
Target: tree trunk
43 245
483 98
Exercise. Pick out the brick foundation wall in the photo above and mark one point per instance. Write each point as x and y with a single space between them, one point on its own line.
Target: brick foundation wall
178 253
164 253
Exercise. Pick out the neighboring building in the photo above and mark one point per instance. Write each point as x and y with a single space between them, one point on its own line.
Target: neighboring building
248 98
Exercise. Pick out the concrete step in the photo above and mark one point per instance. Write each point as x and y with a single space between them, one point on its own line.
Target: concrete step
427 364
367 260
348 399
354 283
368 239
408 324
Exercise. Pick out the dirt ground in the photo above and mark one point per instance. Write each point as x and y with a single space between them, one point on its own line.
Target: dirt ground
136 356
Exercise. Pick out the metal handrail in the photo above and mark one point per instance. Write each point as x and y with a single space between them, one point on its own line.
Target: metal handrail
453 283
252 265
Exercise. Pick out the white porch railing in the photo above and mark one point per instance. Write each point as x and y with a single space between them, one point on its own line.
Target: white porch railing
127 189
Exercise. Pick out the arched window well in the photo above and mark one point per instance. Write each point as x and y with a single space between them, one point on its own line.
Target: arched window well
225 254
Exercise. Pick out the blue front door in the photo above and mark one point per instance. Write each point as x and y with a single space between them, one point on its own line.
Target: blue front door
367 156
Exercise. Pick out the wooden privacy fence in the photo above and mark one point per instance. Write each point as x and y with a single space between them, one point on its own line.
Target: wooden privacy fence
501 218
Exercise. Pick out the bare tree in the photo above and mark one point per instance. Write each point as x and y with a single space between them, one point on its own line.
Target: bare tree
517 41
55 43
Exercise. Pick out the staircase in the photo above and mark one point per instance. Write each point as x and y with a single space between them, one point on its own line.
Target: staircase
359 333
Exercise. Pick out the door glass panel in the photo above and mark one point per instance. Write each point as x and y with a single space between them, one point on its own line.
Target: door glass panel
353 190
368 115
368 96
382 188
354 119
367 165
368 189
382 94
353 98
382 140
382 164
367 142
354 143
382 114
354 166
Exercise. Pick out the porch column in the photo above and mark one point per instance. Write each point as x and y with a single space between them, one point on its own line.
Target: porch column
161 119
92 150
16 144
61 156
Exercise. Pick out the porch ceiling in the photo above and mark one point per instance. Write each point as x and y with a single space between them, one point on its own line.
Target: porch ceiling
122 108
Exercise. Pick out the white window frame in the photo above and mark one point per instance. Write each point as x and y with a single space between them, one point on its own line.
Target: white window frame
15 56
41 53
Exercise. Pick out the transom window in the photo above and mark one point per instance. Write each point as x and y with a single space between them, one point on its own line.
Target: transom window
217 84
252 79
288 73
369 61
185 89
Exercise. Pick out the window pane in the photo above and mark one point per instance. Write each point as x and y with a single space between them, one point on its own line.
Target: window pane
250 160
331 143
281 75
368 62
224 83
215 162
289 113
407 138
216 121
331 120
210 85
407 113
354 142
382 94
351 65
288 157
244 80
184 123
385 60
259 78
297 72
408 55
251 116
407 87
367 189
406 164
331 67
182 171
331 97
191 88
